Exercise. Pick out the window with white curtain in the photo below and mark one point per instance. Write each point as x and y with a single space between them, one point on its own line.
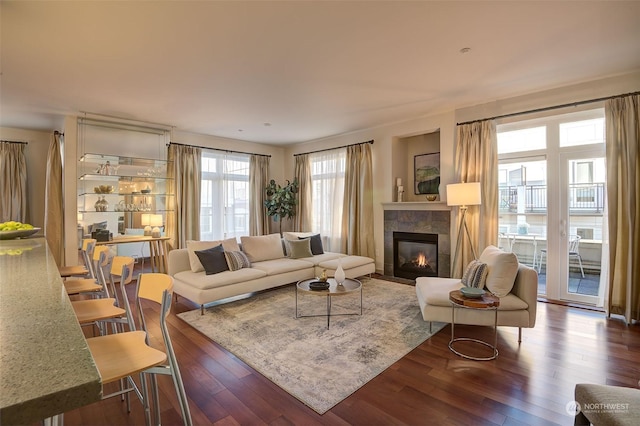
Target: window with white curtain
224 201
327 176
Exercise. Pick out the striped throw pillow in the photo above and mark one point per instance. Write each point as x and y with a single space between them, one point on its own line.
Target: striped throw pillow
237 260
475 275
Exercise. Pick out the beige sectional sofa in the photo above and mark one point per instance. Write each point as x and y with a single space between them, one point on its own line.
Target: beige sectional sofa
273 262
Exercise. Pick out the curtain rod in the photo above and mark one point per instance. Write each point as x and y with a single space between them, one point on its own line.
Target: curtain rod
218 149
531 111
20 142
331 149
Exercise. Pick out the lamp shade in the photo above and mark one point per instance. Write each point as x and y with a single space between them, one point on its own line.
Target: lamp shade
464 194
155 220
145 219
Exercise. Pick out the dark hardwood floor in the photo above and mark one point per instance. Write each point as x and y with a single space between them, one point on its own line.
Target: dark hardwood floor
529 383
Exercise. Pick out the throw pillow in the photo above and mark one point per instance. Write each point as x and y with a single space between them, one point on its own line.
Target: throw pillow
316 244
263 247
192 245
213 260
475 275
236 260
503 268
300 249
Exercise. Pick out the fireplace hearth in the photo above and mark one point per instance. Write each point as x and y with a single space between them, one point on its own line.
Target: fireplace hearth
415 255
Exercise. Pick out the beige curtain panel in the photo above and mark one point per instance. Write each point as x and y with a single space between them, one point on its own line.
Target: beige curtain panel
185 169
53 208
623 196
302 220
476 160
13 182
258 181
357 213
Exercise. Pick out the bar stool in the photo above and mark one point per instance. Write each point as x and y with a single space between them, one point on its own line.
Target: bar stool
88 244
107 309
123 355
92 285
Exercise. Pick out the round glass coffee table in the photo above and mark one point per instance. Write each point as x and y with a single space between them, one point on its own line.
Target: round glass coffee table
487 302
349 286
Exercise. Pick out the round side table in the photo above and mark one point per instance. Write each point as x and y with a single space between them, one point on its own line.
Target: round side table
487 302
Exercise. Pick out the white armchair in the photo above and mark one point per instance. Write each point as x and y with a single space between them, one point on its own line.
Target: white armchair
517 307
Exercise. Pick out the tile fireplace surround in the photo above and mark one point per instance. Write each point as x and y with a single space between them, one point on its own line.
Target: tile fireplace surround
431 218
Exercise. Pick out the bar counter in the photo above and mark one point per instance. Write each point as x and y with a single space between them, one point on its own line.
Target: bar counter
45 364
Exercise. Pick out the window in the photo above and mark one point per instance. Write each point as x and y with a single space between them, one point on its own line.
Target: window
224 201
327 177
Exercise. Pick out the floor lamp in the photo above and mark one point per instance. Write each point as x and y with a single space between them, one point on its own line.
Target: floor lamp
463 195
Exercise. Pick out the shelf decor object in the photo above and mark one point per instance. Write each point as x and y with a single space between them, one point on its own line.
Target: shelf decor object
463 195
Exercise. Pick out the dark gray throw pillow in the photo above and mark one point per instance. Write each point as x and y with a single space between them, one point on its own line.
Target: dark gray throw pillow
316 244
213 260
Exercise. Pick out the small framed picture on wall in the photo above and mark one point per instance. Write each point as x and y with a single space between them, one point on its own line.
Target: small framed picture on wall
427 174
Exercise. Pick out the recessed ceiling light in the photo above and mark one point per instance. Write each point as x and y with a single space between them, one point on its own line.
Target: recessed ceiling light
465 50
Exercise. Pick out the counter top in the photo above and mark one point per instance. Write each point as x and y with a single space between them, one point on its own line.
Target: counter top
46 366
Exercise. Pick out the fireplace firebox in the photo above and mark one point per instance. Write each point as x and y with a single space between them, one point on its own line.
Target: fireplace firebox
415 255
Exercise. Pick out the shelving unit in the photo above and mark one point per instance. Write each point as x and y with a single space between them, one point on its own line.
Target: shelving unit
131 186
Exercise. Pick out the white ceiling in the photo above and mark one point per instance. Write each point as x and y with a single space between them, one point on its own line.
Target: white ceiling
286 72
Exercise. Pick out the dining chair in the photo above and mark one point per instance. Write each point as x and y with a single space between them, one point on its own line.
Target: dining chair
123 355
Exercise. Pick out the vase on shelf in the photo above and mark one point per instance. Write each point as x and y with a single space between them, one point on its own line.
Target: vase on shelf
339 275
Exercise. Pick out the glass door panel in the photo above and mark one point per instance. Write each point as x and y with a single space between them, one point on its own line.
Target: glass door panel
522 216
584 196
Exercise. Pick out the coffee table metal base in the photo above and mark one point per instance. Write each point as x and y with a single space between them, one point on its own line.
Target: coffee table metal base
349 286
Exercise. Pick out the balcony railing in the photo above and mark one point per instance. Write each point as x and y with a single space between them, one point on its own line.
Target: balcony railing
584 198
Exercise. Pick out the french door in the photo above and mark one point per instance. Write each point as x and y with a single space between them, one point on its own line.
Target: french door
552 201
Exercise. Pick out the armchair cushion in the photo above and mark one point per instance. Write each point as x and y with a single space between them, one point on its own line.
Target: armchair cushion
502 270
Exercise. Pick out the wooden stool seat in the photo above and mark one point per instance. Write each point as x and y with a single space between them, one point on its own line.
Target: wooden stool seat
71 271
86 285
123 354
88 311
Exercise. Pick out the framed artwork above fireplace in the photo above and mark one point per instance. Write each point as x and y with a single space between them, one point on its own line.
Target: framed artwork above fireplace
426 172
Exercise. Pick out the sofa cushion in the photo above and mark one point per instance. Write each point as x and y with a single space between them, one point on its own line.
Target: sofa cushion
347 262
320 258
316 244
236 260
203 282
213 260
262 247
281 266
475 274
192 246
503 268
299 249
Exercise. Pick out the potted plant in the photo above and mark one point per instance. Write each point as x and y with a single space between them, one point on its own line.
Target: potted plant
281 201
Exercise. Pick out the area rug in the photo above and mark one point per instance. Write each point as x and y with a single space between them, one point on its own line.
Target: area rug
318 366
